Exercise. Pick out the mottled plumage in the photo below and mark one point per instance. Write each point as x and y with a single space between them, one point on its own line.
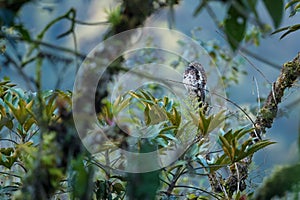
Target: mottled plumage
194 79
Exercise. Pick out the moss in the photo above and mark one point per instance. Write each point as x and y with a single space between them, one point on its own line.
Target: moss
289 73
282 180
291 70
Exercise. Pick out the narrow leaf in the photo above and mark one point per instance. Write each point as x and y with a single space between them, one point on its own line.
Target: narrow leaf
275 10
200 7
235 27
226 147
290 3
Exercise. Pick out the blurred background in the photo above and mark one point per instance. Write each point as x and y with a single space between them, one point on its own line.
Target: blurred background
34 15
251 67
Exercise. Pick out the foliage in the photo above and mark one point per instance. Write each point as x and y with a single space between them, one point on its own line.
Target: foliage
235 151
19 110
240 14
283 179
294 6
43 157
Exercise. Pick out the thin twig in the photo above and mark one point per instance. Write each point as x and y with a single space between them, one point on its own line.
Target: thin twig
79 22
251 54
20 70
256 68
238 177
45 44
202 190
162 180
178 173
9 140
257 91
259 58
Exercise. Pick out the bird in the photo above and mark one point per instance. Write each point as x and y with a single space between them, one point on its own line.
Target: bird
194 80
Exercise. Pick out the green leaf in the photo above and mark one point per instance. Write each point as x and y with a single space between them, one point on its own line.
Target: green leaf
28 124
20 113
228 135
148 96
162 142
204 123
255 147
220 162
168 136
275 10
7 157
280 30
80 180
167 129
50 107
290 30
145 99
118 188
200 7
5 121
2 109
290 3
235 27
4 82
252 6
227 148
168 104
216 121
19 92
147 117
191 196
125 103
120 104
246 144
24 32
241 132
174 117
135 95
156 114
294 10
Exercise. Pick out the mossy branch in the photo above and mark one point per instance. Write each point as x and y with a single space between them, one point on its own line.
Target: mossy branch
289 73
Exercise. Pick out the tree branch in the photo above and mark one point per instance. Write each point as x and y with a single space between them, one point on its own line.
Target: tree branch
289 73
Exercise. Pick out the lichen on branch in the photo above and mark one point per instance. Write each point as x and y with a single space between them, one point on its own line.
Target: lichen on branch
289 73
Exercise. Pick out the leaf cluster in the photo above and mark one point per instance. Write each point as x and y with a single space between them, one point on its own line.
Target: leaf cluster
294 6
235 149
240 13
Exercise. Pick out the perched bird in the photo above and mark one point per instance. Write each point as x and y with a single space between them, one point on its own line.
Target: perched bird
194 80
